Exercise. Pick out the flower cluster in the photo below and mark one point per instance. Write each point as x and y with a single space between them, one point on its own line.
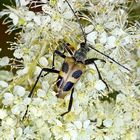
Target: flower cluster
97 113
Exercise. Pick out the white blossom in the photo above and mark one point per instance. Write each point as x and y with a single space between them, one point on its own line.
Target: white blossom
3 84
43 61
8 99
20 91
4 61
29 15
22 72
41 93
18 53
92 36
24 2
3 113
107 123
100 85
96 113
111 42
15 18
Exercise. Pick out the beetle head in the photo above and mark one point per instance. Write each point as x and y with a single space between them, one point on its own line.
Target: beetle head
80 54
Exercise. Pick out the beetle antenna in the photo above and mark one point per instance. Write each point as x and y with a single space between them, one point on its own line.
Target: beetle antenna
77 21
86 39
110 58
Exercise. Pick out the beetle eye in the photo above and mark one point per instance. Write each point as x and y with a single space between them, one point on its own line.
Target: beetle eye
82 45
67 44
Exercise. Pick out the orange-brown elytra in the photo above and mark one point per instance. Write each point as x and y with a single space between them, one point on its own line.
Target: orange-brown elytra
69 74
72 68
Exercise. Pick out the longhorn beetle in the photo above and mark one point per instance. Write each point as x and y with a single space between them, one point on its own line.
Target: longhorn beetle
72 68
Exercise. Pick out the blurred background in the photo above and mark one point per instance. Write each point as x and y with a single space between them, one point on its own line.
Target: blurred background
4 37
134 14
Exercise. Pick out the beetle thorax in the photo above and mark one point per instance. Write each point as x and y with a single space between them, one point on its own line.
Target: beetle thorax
80 55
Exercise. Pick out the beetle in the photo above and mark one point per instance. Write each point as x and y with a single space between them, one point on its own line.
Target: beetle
72 68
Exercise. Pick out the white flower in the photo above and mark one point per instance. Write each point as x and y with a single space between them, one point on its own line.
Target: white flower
16 109
92 36
47 9
138 52
88 29
119 122
19 131
43 61
18 53
107 122
66 137
3 84
24 2
4 61
92 116
6 75
27 101
103 37
20 91
9 122
15 18
23 71
29 15
8 99
45 85
45 131
68 15
86 124
128 117
118 32
121 98
78 124
37 70
44 1
37 20
99 85
111 40
117 81
45 20
41 93
3 113
29 132
56 25
83 135
110 76
90 76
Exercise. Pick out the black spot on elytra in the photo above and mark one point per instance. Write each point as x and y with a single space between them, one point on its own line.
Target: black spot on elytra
68 86
77 74
65 67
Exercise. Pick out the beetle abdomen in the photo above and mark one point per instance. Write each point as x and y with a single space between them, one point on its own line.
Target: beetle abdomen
69 74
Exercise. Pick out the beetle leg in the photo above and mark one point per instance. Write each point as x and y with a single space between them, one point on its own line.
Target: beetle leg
91 61
70 103
53 66
38 77
66 46
58 53
100 77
